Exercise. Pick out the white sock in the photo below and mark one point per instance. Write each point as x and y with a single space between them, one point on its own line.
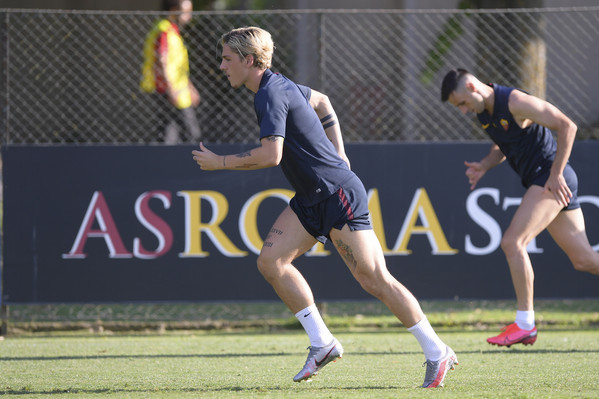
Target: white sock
431 344
525 319
312 322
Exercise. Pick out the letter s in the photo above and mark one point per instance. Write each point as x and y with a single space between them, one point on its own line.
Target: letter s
154 224
484 220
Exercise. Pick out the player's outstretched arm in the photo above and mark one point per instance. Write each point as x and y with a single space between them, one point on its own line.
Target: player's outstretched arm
267 155
324 109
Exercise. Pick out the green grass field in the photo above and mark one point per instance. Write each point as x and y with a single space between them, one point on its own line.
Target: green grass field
381 360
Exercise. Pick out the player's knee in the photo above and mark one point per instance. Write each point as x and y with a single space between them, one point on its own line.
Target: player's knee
266 266
370 283
511 245
507 245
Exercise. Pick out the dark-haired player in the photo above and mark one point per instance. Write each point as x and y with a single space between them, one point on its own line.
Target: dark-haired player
520 126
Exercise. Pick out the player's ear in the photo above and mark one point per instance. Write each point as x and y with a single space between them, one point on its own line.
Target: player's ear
249 59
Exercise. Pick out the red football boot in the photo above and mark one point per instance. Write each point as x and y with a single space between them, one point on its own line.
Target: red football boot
513 334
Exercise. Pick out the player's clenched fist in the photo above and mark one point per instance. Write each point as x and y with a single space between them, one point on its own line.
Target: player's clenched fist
207 159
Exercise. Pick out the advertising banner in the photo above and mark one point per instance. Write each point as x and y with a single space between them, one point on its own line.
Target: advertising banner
145 223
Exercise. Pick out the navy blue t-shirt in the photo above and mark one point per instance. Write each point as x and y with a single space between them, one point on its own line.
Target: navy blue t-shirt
310 162
529 150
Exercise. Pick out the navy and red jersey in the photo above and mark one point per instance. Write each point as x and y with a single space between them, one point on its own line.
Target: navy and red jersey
527 150
310 162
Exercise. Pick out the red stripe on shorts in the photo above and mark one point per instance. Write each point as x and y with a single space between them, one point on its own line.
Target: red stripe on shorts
346 206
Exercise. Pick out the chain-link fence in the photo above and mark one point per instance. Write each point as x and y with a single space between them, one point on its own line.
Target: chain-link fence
73 77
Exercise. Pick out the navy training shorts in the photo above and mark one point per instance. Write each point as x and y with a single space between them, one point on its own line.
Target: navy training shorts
348 205
571 180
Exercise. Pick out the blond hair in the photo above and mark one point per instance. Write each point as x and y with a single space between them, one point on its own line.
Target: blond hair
253 41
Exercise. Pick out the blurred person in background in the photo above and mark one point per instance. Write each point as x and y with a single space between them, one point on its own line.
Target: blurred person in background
520 126
165 74
300 132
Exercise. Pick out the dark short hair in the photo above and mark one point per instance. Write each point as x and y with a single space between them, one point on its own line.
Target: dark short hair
450 82
168 5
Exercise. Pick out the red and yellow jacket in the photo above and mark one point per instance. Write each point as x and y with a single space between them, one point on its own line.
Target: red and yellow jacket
164 40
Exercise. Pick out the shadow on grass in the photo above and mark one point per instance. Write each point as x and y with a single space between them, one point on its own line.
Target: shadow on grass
249 390
395 329
506 351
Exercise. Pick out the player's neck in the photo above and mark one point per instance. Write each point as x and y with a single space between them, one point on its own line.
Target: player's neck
254 79
488 95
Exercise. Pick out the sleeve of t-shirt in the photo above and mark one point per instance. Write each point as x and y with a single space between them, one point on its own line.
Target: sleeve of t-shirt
306 91
271 110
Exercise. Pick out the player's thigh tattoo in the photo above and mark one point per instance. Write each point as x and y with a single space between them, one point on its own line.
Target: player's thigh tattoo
268 240
347 254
